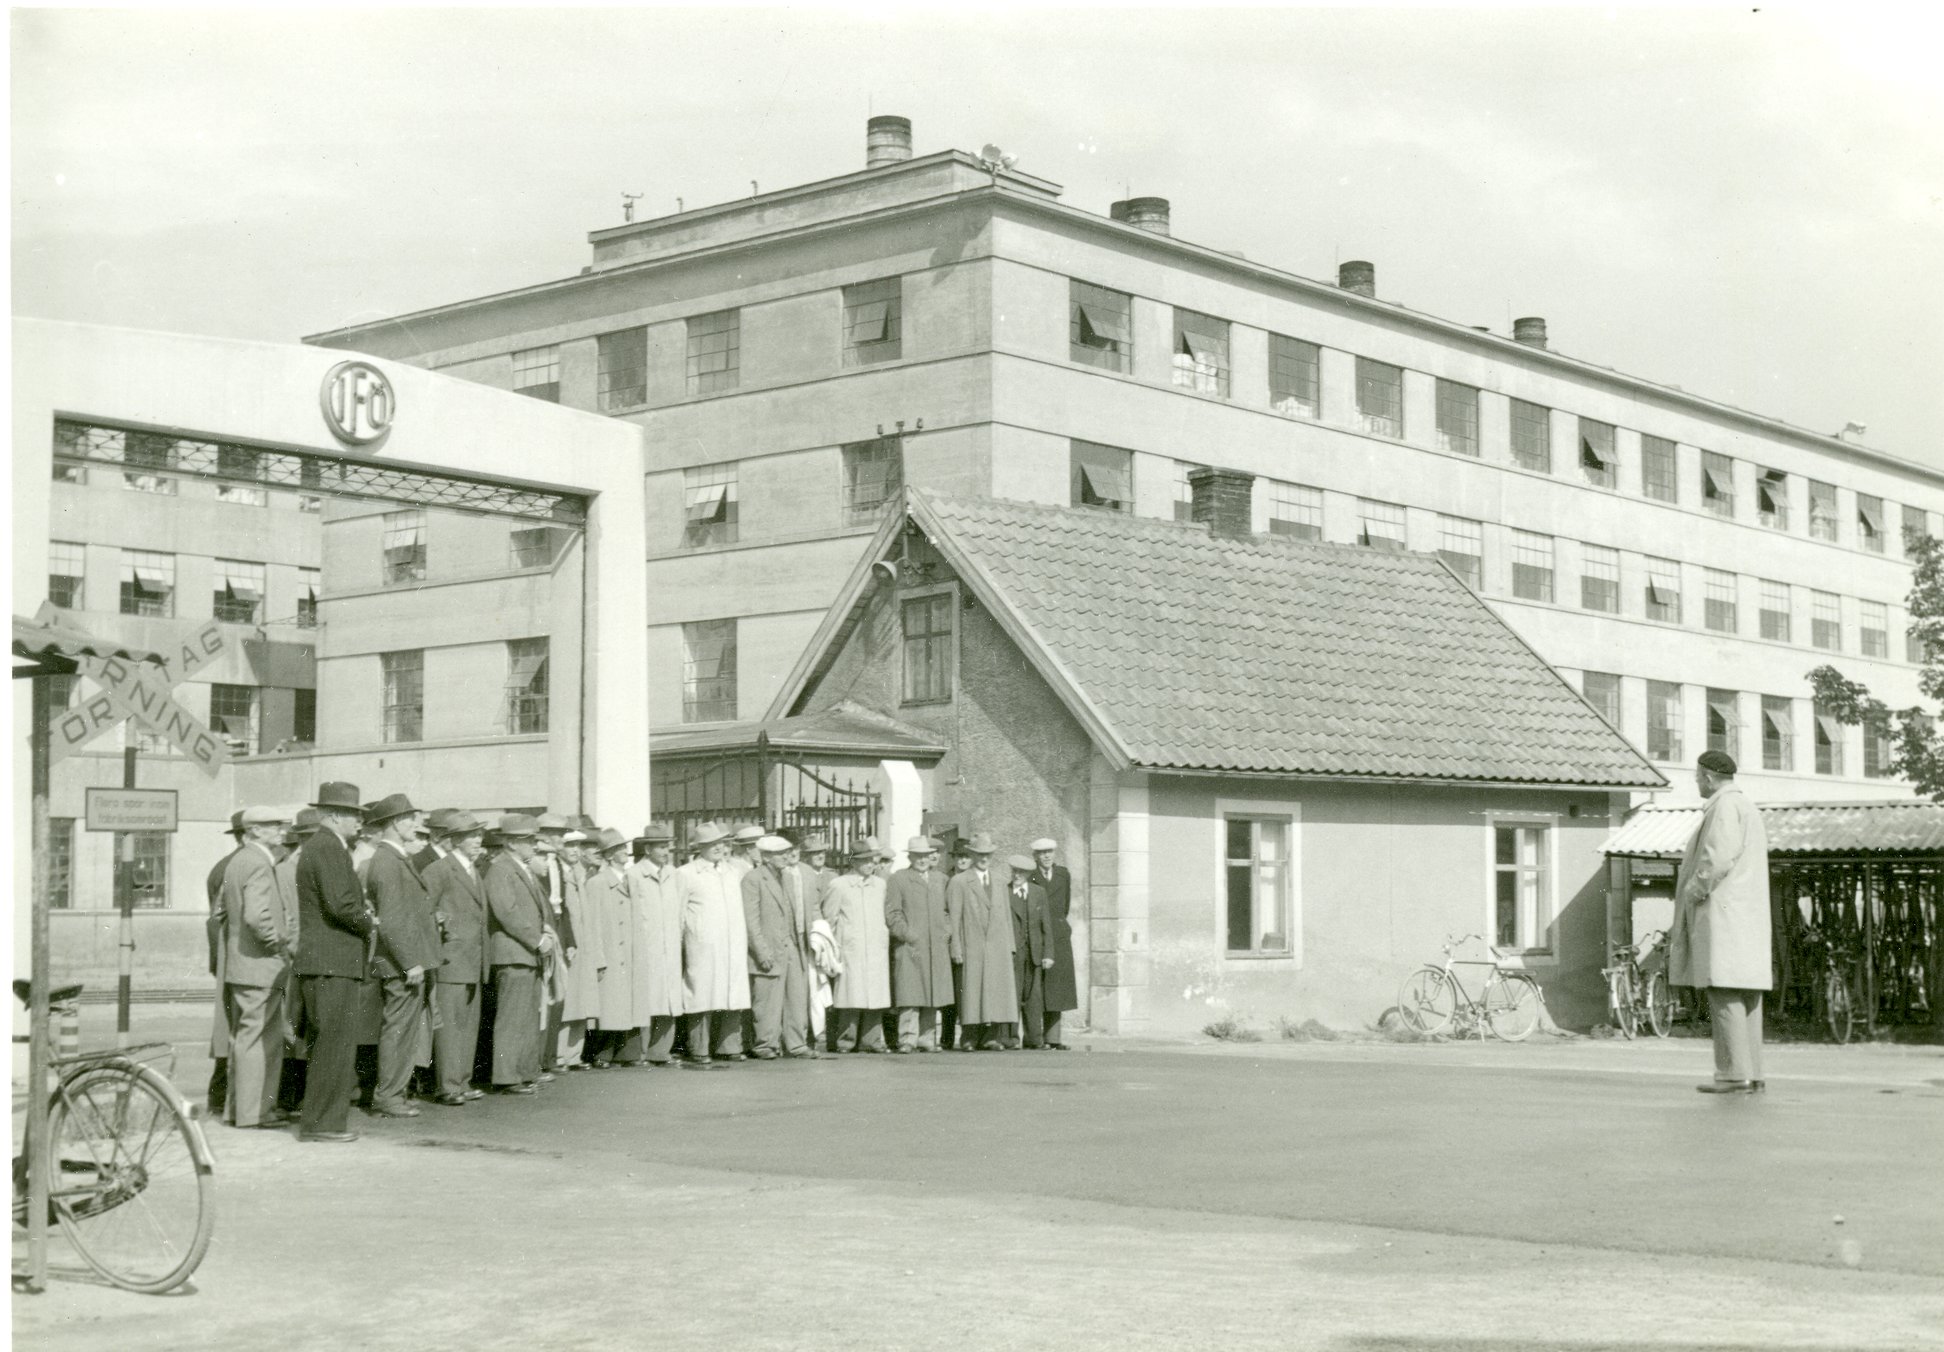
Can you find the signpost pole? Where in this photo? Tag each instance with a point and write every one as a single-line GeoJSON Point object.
{"type": "Point", "coordinates": [125, 903]}
{"type": "Point", "coordinates": [38, 1151]}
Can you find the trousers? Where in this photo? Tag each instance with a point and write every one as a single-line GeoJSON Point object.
{"type": "Point", "coordinates": [517, 1025]}
{"type": "Point", "coordinates": [1737, 1019]}
{"type": "Point", "coordinates": [331, 1012]}
{"type": "Point", "coordinates": [780, 1001]}
{"type": "Point", "coordinates": [917, 1027]}
{"type": "Point", "coordinates": [1042, 1024]}
{"type": "Point", "coordinates": [858, 1027]}
{"type": "Point", "coordinates": [398, 1040]}
{"type": "Point", "coordinates": [714, 1032]}
{"type": "Point", "coordinates": [256, 1030]}
{"type": "Point", "coordinates": [650, 1044]}
{"type": "Point", "coordinates": [456, 1039]}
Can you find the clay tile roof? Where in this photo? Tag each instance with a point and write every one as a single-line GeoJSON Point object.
{"type": "Point", "coordinates": [1280, 656]}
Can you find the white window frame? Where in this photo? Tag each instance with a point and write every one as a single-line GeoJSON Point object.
{"type": "Point", "coordinates": [1548, 956]}
{"type": "Point", "coordinates": [1375, 511]}
{"type": "Point", "coordinates": [1295, 505]}
{"type": "Point", "coordinates": [951, 590]}
{"type": "Point", "coordinates": [1268, 808]}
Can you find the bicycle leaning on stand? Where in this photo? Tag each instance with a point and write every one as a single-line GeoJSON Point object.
{"type": "Point", "coordinates": [1635, 995]}
{"type": "Point", "coordinates": [1434, 998]}
{"type": "Point", "coordinates": [132, 1181]}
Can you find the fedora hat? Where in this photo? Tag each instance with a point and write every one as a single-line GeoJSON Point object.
{"type": "Point", "coordinates": [750, 835]}
{"type": "Point", "coordinates": [610, 839]}
{"type": "Point", "coordinates": [656, 833]}
{"type": "Point", "coordinates": [708, 833]}
{"type": "Point", "coordinates": [552, 821]}
{"type": "Point", "coordinates": [306, 822]}
{"type": "Point", "coordinates": [866, 848]}
{"type": "Point", "coordinates": [980, 843]}
{"type": "Point", "coordinates": [814, 842]}
{"type": "Point", "coordinates": [390, 806]}
{"type": "Point", "coordinates": [921, 845]}
{"type": "Point", "coordinates": [518, 824]}
{"type": "Point", "coordinates": [459, 822]}
{"type": "Point", "coordinates": [236, 822]}
{"type": "Point", "coordinates": [337, 796]}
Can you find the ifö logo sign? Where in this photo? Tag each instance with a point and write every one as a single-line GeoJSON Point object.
{"type": "Point", "coordinates": [358, 402]}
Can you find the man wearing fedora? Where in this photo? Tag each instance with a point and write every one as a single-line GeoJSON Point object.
{"type": "Point", "coordinates": [334, 926]}
{"type": "Point", "coordinates": [657, 951]}
{"type": "Point", "coordinates": [715, 950]}
{"type": "Point", "coordinates": [779, 899]}
{"type": "Point", "coordinates": [854, 907]}
{"type": "Point", "coordinates": [219, 1025]}
{"type": "Point", "coordinates": [1059, 990]}
{"type": "Point", "coordinates": [921, 953]}
{"type": "Point", "coordinates": [407, 958]}
{"type": "Point", "coordinates": [521, 941]}
{"type": "Point", "coordinates": [579, 952]}
{"type": "Point", "coordinates": [982, 943]}
{"type": "Point", "coordinates": [611, 896]}
{"type": "Point", "coordinates": [458, 898]}
{"type": "Point", "coordinates": [260, 933]}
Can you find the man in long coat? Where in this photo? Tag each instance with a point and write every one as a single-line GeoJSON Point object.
{"type": "Point", "coordinates": [611, 895]}
{"type": "Point", "coordinates": [458, 897]}
{"type": "Point", "coordinates": [854, 907]}
{"type": "Point", "coordinates": [1720, 937]}
{"type": "Point", "coordinates": [715, 951]}
{"type": "Point", "coordinates": [657, 950]}
{"type": "Point", "coordinates": [334, 926]}
{"type": "Point", "coordinates": [260, 934]}
{"type": "Point", "coordinates": [407, 958]}
{"type": "Point", "coordinates": [921, 950]}
{"type": "Point", "coordinates": [779, 899]}
{"type": "Point", "coordinates": [1061, 990]}
{"type": "Point", "coordinates": [982, 943]}
{"type": "Point", "coordinates": [579, 954]}
{"type": "Point", "coordinates": [522, 942]}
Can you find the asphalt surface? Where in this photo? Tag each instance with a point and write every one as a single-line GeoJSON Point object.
{"type": "Point", "coordinates": [1348, 1197]}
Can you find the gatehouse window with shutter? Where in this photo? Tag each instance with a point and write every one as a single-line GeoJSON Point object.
{"type": "Point", "coordinates": [928, 640]}
{"type": "Point", "coordinates": [1778, 733]}
{"type": "Point", "coordinates": [621, 361]}
{"type": "Point", "coordinates": [1532, 566]}
{"type": "Point", "coordinates": [1719, 591]}
{"type": "Point", "coordinates": [404, 545]}
{"type": "Point", "coordinates": [241, 463]}
{"type": "Point", "coordinates": [1522, 885]}
{"type": "Point", "coordinates": [404, 675]}
{"type": "Point", "coordinates": [239, 591]}
{"type": "Point", "coordinates": [67, 575]}
{"type": "Point", "coordinates": [1664, 590]}
{"type": "Point", "coordinates": [526, 685]}
{"type": "Point", "coordinates": [1103, 476]}
{"type": "Point", "coordinates": [536, 373]}
{"type": "Point", "coordinates": [309, 582]}
{"type": "Point", "coordinates": [873, 322]}
{"type": "Point", "coordinates": [1664, 732]}
{"type": "Point", "coordinates": [714, 352]}
{"type": "Point", "coordinates": [1099, 327]}
{"type": "Point", "coordinates": [1296, 510]}
{"type": "Point", "coordinates": [147, 583]}
{"type": "Point", "coordinates": [1822, 511]}
{"type": "Point", "coordinates": [1718, 483]}
{"type": "Point", "coordinates": [1772, 498]}
{"type": "Point", "coordinates": [1657, 477]}
{"type": "Point", "coordinates": [1380, 524]}
{"type": "Point", "coordinates": [147, 455]}
{"type": "Point", "coordinates": [709, 507]}
{"type": "Point", "coordinates": [1598, 462]}
{"type": "Point", "coordinates": [873, 475]}
{"type": "Point", "coordinates": [1532, 436]}
{"type": "Point", "coordinates": [708, 671]}
{"type": "Point", "coordinates": [151, 867]}
{"type": "Point", "coordinates": [1258, 886]}
{"type": "Point", "coordinates": [1201, 353]}
{"type": "Point", "coordinates": [1600, 578]}
{"type": "Point", "coordinates": [1457, 418]}
{"type": "Point", "coordinates": [1295, 385]}
{"type": "Point", "coordinates": [1869, 522]}
{"type": "Point", "coordinates": [1380, 397]}
{"type": "Point", "coordinates": [233, 716]}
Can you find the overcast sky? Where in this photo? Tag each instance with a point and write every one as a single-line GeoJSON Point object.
{"type": "Point", "coordinates": [1745, 203]}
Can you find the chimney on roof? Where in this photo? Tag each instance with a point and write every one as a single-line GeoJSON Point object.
{"type": "Point", "coordinates": [1358, 276]}
{"type": "Point", "coordinates": [1143, 213]}
{"type": "Point", "coordinates": [1531, 331]}
{"type": "Point", "coordinates": [887, 140]}
{"type": "Point", "coordinates": [1224, 499]}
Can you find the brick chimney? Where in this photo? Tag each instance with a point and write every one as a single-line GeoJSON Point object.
{"type": "Point", "coordinates": [1358, 276]}
{"type": "Point", "coordinates": [1224, 498]}
{"type": "Point", "coordinates": [1531, 331]}
{"type": "Point", "coordinates": [887, 140]}
{"type": "Point", "coordinates": [1143, 213]}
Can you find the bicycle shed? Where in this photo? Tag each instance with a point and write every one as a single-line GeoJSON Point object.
{"type": "Point", "coordinates": [1867, 877]}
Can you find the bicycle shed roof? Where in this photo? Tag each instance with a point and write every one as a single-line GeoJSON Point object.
{"type": "Point", "coordinates": [1880, 829]}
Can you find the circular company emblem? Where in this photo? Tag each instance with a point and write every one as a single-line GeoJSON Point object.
{"type": "Point", "coordinates": [358, 402]}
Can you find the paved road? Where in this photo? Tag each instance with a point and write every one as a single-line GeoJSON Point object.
{"type": "Point", "coordinates": [1352, 1198]}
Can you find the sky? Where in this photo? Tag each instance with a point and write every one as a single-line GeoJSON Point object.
{"type": "Point", "coordinates": [1745, 202]}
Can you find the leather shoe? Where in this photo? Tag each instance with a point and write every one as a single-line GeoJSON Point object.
{"type": "Point", "coordinates": [451, 1100]}
{"type": "Point", "coordinates": [764, 1055]}
{"type": "Point", "coordinates": [403, 1110]}
{"type": "Point", "coordinates": [1729, 1087]}
{"type": "Point", "coordinates": [1058, 1047]}
{"type": "Point", "coordinates": [515, 1089]}
{"type": "Point", "coordinates": [326, 1137]}
{"type": "Point", "coordinates": [472, 1094]}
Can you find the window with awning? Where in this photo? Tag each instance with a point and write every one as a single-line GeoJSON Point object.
{"type": "Point", "coordinates": [1201, 352]}
{"type": "Point", "coordinates": [1778, 733]}
{"type": "Point", "coordinates": [1869, 522]}
{"type": "Point", "coordinates": [1103, 476]}
{"type": "Point", "coordinates": [1822, 510]}
{"type": "Point", "coordinates": [404, 546]}
{"type": "Point", "coordinates": [1717, 483]}
{"type": "Point", "coordinates": [526, 686]}
{"type": "Point", "coordinates": [1664, 590]}
{"type": "Point", "coordinates": [1598, 461]}
{"type": "Point", "coordinates": [308, 582]}
{"type": "Point", "coordinates": [873, 321]}
{"type": "Point", "coordinates": [709, 507]}
{"type": "Point", "coordinates": [147, 583]}
{"type": "Point", "coordinates": [239, 590]}
{"type": "Point", "coordinates": [1100, 329]}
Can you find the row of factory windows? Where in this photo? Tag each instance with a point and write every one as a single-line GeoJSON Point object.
{"type": "Point", "coordinates": [523, 709]}
{"type": "Point", "coordinates": [1755, 729]}
{"type": "Point", "coordinates": [147, 586]}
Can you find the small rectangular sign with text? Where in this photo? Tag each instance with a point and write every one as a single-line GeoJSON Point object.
{"type": "Point", "coordinates": [131, 809]}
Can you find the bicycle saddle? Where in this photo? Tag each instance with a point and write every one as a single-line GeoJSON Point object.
{"type": "Point", "coordinates": [60, 995]}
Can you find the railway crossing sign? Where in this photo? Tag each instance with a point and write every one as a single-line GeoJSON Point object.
{"type": "Point", "coordinates": [126, 690]}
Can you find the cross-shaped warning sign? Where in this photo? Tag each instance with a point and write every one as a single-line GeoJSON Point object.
{"type": "Point", "coordinates": [131, 690]}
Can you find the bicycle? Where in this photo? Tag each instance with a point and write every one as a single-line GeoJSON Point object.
{"type": "Point", "coordinates": [1634, 995]}
{"type": "Point", "coordinates": [1837, 992]}
{"type": "Point", "coordinates": [1433, 997]}
{"type": "Point", "coordinates": [132, 1185]}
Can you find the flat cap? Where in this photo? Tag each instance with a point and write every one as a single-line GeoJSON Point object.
{"type": "Point", "coordinates": [552, 821]}
{"type": "Point", "coordinates": [265, 816]}
{"type": "Point", "coordinates": [1044, 843]}
{"type": "Point", "coordinates": [1019, 863]}
{"type": "Point", "coordinates": [773, 844]}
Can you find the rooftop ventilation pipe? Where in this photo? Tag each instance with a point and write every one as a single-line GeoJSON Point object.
{"type": "Point", "coordinates": [1531, 331]}
{"type": "Point", "coordinates": [887, 140]}
{"type": "Point", "coordinates": [1358, 276]}
{"type": "Point", "coordinates": [1143, 213]}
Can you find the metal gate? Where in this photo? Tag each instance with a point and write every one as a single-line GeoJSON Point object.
{"type": "Point", "coordinates": [771, 788]}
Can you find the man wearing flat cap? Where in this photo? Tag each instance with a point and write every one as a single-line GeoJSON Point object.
{"type": "Point", "coordinates": [457, 893]}
{"type": "Point", "coordinates": [982, 942]}
{"type": "Point", "coordinates": [1060, 990]}
{"type": "Point", "coordinates": [1720, 937]}
{"type": "Point", "coordinates": [1032, 948]}
{"type": "Point", "coordinates": [407, 958]}
{"type": "Point", "coordinates": [854, 908]}
{"type": "Point", "coordinates": [779, 899]}
{"type": "Point", "coordinates": [260, 934]}
{"type": "Point", "coordinates": [334, 927]}
{"type": "Point", "coordinates": [921, 948]}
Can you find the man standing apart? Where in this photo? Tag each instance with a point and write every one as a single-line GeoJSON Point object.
{"type": "Point", "coordinates": [657, 948]}
{"type": "Point", "coordinates": [1720, 937]}
{"type": "Point", "coordinates": [520, 939]}
{"type": "Point", "coordinates": [334, 924]}
{"type": "Point", "coordinates": [982, 943]}
{"type": "Point", "coordinates": [260, 936]}
{"type": "Point", "coordinates": [776, 913]}
{"type": "Point", "coordinates": [1061, 991]}
{"type": "Point", "coordinates": [458, 897]}
{"type": "Point", "coordinates": [715, 951]}
{"type": "Point", "coordinates": [921, 950]}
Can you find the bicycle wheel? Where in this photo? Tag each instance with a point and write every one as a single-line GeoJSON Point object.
{"type": "Point", "coordinates": [1511, 1005]}
{"type": "Point", "coordinates": [1838, 1012]}
{"type": "Point", "coordinates": [1620, 1001]}
{"type": "Point", "coordinates": [132, 1188]}
{"type": "Point", "coordinates": [1427, 1002]}
{"type": "Point", "coordinates": [1660, 1005]}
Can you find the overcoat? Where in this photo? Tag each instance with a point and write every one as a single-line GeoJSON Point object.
{"type": "Point", "coordinates": [218, 957]}
{"type": "Point", "coordinates": [408, 936]}
{"type": "Point", "coordinates": [1032, 928]}
{"type": "Point", "coordinates": [609, 899]}
{"type": "Point", "coordinates": [777, 922]}
{"type": "Point", "coordinates": [1062, 990]}
{"type": "Point", "coordinates": [459, 894]}
{"type": "Point", "coordinates": [1720, 935]}
{"type": "Point", "coordinates": [516, 913]}
{"type": "Point", "coordinates": [920, 929]}
{"type": "Point", "coordinates": [854, 907]}
{"type": "Point", "coordinates": [260, 927]}
{"type": "Point", "coordinates": [657, 942]}
{"type": "Point", "coordinates": [579, 934]}
{"type": "Point", "coordinates": [715, 941]}
{"type": "Point", "coordinates": [982, 939]}
{"type": "Point", "coordinates": [333, 920]}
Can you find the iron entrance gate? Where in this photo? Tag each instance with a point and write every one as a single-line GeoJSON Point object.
{"type": "Point", "coordinates": [770, 788]}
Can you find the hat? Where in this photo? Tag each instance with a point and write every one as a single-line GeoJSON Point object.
{"type": "Point", "coordinates": [1019, 863]}
{"type": "Point", "coordinates": [961, 847]}
{"type": "Point", "coordinates": [708, 833]}
{"type": "Point", "coordinates": [552, 821]}
{"type": "Point", "coordinates": [747, 834]}
{"type": "Point", "coordinates": [610, 839]}
{"type": "Point", "coordinates": [1043, 843]}
{"type": "Point", "coordinates": [575, 835]}
{"type": "Point", "coordinates": [656, 833]}
{"type": "Point", "coordinates": [306, 822]}
{"type": "Point", "coordinates": [980, 843]}
{"type": "Point", "coordinates": [1720, 762]}
{"type": "Point", "coordinates": [392, 805]}
{"type": "Point", "coordinates": [773, 844]}
{"type": "Point", "coordinates": [264, 816]}
{"type": "Point", "coordinates": [921, 845]}
{"type": "Point", "coordinates": [814, 842]}
{"type": "Point", "coordinates": [462, 823]}
{"type": "Point", "coordinates": [583, 822]}
{"type": "Point", "coordinates": [338, 797]}
{"type": "Point", "coordinates": [866, 848]}
{"type": "Point", "coordinates": [439, 820]}
{"type": "Point", "coordinates": [236, 822]}
{"type": "Point", "coordinates": [518, 824]}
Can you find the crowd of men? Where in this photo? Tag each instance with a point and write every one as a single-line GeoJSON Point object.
{"type": "Point", "coordinates": [372, 952]}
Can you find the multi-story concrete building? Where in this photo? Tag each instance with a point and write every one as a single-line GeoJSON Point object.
{"type": "Point", "coordinates": [950, 323]}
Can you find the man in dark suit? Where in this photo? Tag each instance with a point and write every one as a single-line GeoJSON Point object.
{"type": "Point", "coordinates": [407, 959]}
{"type": "Point", "coordinates": [260, 933]}
{"type": "Point", "coordinates": [522, 943]}
{"type": "Point", "coordinates": [1031, 948]}
{"type": "Point", "coordinates": [458, 897]}
{"type": "Point", "coordinates": [1059, 990]}
{"type": "Point", "coordinates": [218, 1096]}
{"type": "Point", "coordinates": [334, 926]}
{"type": "Point", "coordinates": [779, 896]}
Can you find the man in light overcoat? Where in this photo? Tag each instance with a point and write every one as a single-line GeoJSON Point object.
{"type": "Point", "coordinates": [982, 944]}
{"type": "Point", "coordinates": [611, 895]}
{"type": "Point", "coordinates": [921, 950]}
{"type": "Point", "coordinates": [854, 907]}
{"type": "Point", "coordinates": [657, 974]}
{"type": "Point", "coordinates": [259, 938]}
{"type": "Point", "coordinates": [715, 951]}
{"type": "Point", "coordinates": [1720, 936]}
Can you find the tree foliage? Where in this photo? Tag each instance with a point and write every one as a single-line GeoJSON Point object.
{"type": "Point", "coordinates": [1917, 751]}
